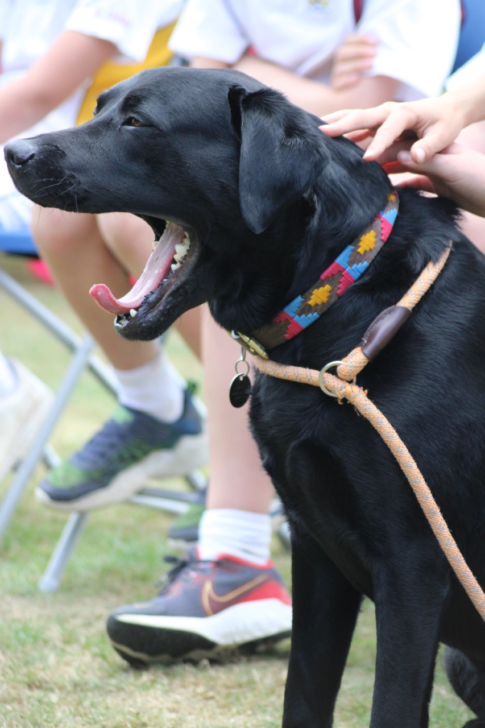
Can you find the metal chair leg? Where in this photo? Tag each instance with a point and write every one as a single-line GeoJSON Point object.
{"type": "Point", "coordinates": [83, 359]}
{"type": "Point", "coordinates": [28, 465]}
{"type": "Point", "coordinates": [66, 544]}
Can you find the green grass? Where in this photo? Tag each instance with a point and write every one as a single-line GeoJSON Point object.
{"type": "Point", "coordinates": [57, 668]}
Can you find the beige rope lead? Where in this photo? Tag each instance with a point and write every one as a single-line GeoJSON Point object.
{"type": "Point", "coordinates": [357, 396]}
{"type": "Point", "coordinates": [354, 362]}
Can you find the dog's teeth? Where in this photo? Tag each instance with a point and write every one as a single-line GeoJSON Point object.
{"type": "Point", "coordinates": [133, 312]}
{"type": "Point", "coordinates": [174, 266]}
{"type": "Point", "coordinates": [180, 253]}
{"type": "Point", "coordinates": [154, 244]}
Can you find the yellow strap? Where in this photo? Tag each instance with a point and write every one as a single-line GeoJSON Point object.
{"type": "Point", "coordinates": [111, 73]}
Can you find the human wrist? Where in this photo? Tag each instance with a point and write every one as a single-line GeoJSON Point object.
{"type": "Point", "coordinates": [468, 103]}
{"type": "Point", "coordinates": [458, 107]}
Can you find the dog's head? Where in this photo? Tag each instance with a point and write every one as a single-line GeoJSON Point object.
{"type": "Point", "coordinates": [223, 168]}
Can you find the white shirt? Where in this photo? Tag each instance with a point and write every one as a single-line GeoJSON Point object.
{"type": "Point", "coordinates": [28, 28]}
{"type": "Point", "coordinates": [417, 39]}
{"type": "Point", "coordinates": [468, 72]}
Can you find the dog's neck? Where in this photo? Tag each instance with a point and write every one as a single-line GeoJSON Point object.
{"type": "Point", "coordinates": [286, 259]}
{"type": "Point", "coordinates": [307, 307]}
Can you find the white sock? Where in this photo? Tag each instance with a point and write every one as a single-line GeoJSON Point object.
{"type": "Point", "coordinates": [238, 533]}
{"type": "Point", "coordinates": [8, 378]}
{"type": "Point", "coordinates": [154, 388]}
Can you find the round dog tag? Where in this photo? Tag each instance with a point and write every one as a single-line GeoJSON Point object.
{"type": "Point", "coordinates": [240, 387]}
{"type": "Point", "coordinates": [240, 390]}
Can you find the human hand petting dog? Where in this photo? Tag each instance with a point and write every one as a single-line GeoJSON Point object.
{"type": "Point", "coordinates": [434, 123]}
{"type": "Point", "coordinates": [456, 172]}
{"type": "Point", "coordinates": [419, 137]}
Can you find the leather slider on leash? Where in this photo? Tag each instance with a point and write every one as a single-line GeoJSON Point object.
{"type": "Point", "coordinates": [383, 329]}
{"type": "Point", "coordinates": [378, 335]}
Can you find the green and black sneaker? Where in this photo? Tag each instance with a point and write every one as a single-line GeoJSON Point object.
{"type": "Point", "coordinates": [130, 448]}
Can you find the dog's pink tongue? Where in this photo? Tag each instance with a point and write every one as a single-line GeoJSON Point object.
{"type": "Point", "coordinates": [156, 269]}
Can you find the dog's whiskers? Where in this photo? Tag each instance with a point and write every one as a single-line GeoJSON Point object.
{"type": "Point", "coordinates": [68, 189]}
{"type": "Point", "coordinates": [42, 190]}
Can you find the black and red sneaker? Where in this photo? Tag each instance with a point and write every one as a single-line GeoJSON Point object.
{"type": "Point", "coordinates": [205, 608]}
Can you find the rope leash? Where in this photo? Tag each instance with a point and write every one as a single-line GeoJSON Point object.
{"type": "Point", "coordinates": [354, 362]}
{"type": "Point", "coordinates": [338, 386]}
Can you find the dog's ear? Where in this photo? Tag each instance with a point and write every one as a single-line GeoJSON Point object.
{"type": "Point", "coordinates": [282, 153]}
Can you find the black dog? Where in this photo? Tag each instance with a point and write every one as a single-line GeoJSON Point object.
{"type": "Point", "coordinates": [269, 202]}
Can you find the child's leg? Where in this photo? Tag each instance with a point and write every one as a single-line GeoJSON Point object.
{"type": "Point", "coordinates": [76, 252]}
{"type": "Point", "coordinates": [158, 431]}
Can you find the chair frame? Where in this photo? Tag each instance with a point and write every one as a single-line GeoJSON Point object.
{"type": "Point", "coordinates": [82, 359]}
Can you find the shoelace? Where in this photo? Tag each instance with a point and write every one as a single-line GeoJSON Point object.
{"type": "Point", "coordinates": [102, 443]}
{"type": "Point", "coordinates": [180, 564]}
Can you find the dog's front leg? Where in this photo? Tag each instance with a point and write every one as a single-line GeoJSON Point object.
{"type": "Point", "coordinates": [409, 604]}
{"type": "Point", "coordinates": [325, 610]}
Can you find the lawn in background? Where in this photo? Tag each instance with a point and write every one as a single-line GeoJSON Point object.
{"type": "Point", "coordinates": [57, 668]}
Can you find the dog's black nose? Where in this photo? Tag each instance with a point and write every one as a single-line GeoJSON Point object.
{"type": "Point", "coordinates": [19, 152]}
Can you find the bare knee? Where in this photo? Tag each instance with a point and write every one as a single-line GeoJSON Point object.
{"type": "Point", "coordinates": [56, 231]}
{"type": "Point", "coordinates": [128, 237]}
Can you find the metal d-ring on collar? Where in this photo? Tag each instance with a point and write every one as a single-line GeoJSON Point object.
{"type": "Point", "coordinates": [242, 360]}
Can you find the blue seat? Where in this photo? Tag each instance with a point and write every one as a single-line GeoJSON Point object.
{"type": "Point", "coordinates": [472, 35]}
{"type": "Point", "coordinates": [18, 243]}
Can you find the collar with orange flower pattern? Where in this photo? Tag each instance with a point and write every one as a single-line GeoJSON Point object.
{"type": "Point", "coordinates": [332, 284]}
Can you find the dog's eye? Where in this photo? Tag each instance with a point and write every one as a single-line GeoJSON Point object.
{"type": "Point", "coordinates": [133, 121]}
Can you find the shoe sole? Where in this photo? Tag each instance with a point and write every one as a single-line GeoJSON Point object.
{"type": "Point", "coordinates": [181, 545]}
{"type": "Point", "coordinates": [141, 661]}
{"type": "Point", "coordinates": [189, 454]}
{"type": "Point", "coordinates": [160, 638]}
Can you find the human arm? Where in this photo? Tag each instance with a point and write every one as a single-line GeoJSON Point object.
{"type": "Point", "coordinates": [222, 29]}
{"type": "Point", "coordinates": [310, 95]}
{"type": "Point", "coordinates": [72, 59]}
{"type": "Point", "coordinates": [436, 122]}
{"type": "Point", "coordinates": [200, 62]}
{"type": "Point", "coordinates": [351, 57]}
{"type": "Point", "coordinates": [307, 93]}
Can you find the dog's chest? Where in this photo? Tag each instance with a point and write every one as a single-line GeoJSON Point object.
{"type": "Point", "coordinates": [295, 431]}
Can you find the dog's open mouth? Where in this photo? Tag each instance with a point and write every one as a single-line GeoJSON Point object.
{"type": "Point", "coordinates": [164, 268]}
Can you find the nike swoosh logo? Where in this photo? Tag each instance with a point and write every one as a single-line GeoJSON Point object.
{"type": "Point", "coordinates": [214, 603]}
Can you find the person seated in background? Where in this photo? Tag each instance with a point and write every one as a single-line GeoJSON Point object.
{"type": "Point", "coordinates": [57, 57]}
{"type": "Point", "coordinates": [323, 57]}
{"type": "Point", "coordinates": [24, 403]}
{"type": "Point", "coordinates": [454, 125]}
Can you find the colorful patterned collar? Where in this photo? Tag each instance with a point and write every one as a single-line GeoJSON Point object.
{"type": "Point", "coordinates": [332, 284]}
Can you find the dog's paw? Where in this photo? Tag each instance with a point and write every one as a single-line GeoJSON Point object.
{"type": "Point", "coordinates": [475, 723]}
